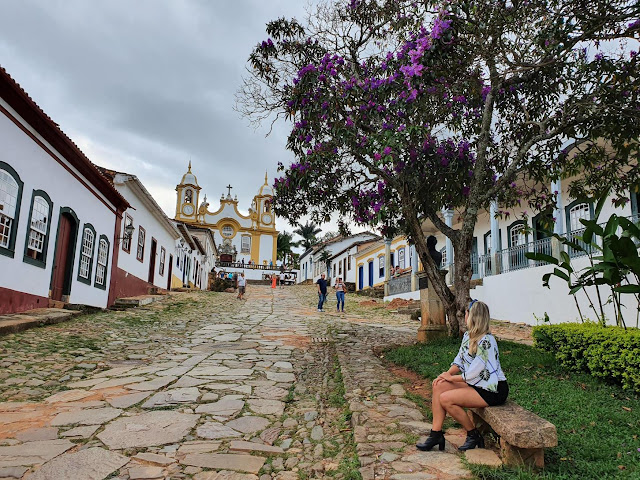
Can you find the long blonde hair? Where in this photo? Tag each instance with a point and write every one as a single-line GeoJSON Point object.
{"type": "Point", "coordinates": [479, 325]}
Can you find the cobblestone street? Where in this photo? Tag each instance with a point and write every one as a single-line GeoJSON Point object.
{"type": "Point", "coordinates": [203, 386]}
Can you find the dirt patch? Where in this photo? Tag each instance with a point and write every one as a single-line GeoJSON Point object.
{"type": "Point", "coordinates": [416, 384]}
{"type": "Point", "coordinates": [398, 303]}
{"type": "Point", "coordinates": [369, 303]}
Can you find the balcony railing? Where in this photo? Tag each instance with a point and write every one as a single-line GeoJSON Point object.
{"type": "Point", "coordinates": [252, 266]}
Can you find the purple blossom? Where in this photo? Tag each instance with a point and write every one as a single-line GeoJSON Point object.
{"type": "Point", "coordinates": [377, 156]}
{"type": "Point", "coordinates": [439, 27]}
{"type": "Point", "coordinates": [386, 151]}
{"type": "Point", "coordinates": [634, 24]}
{"type": "Point", "coordinates": [349, 122]}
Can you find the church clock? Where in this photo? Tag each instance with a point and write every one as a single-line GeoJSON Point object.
{"type": "Point", "coordinates": [266, 218]}
{"type": "Point", "coordinates": [188, 209]}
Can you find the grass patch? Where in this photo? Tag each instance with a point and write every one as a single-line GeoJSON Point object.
{"type": "Point", "coordinates": [598, 424]}
{"type": "Point", "coordinates": [336, 398]}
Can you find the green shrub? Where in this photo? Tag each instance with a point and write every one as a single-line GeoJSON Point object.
{"type": "Point", "coordinates": [610, 353]}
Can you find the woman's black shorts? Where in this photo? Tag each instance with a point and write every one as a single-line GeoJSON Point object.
{"type": "Point", "coordinates": [494, 398]}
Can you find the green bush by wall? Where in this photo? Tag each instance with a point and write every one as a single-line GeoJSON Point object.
{"type": "Point", "coordinates": [610, 353]}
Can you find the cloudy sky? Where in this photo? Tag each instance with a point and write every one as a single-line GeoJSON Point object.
{"type": "Point", "coordinates": [144, 86]}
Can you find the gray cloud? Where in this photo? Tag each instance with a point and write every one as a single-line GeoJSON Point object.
{"type": "Point", "coordinates": [144, 86]}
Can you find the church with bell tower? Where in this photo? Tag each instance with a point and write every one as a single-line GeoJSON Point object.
{"type": "Point", "coordinates": [252, 238]}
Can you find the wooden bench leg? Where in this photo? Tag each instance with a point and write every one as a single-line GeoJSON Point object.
{"type": "Point", "coordinates": [532, 457]}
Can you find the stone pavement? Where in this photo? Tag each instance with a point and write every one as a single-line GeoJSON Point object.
{"type": "Point", "coordinates": [203, 386]}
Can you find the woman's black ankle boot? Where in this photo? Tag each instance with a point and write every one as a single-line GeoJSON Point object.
{"type": "Point", "coordinates": [434, 438]}
{"type": "Point", "coordinates": [474, 439]}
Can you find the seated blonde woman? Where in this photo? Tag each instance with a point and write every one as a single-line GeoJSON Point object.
{"type": "Point", "coordinates": [474, 380]}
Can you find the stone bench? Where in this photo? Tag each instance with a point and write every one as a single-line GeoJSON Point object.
{"type": "Point", "coordinates": [523, 434]}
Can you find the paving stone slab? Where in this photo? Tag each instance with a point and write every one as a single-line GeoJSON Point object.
{"type": "Point", "coordinates": [198, 447]}
{"type": "Point", "coordinates": [32, 453]}
{"type": "Point", "coordinates": [207, 371]}
{"type": "Point", "coordinates": [162, 460]}
{"type": "Point", "coordinates": [215, 430]}
{"type": "Point", "coordinates": [266, 407]}
{"type": "Point", "coordinates": [270, 435]}
{"type": "Point", "coordinates": [145, 472]}
{"type": "Point", "coordinates": [82, 432]}
{"type": "Point", "coordinates": [148, 429]}
{"type": "Point", "coordinates": [249, 447]}
{"type": "Point", "coordinates": [91, 416]}
{"type": "Point", "coordinates": [154, 384]}
{"type": "Point", "coordinates": [90, 464]}
{"type": "Point", "coordinates": [281, 377]}
{"type": "Point", "coordinates": [238, 463]}
{"type": "Point", "coordinates": [35, 434]}
{"type": "Point", "coordinates": [173, 397]}
{"type": "Point", "coordinates": [126, 401]}
{"type": "Point", "coordinates": [249, 424]}
{"type": "Point", "coordinates": [270, 392]}
{"type": "Point", "coordinates": [223, 407]}
{"type": "Point", "coordinates": [224, 475]}
{"type": "Point", "coordinates": [117, 382]}
{"type": "Point", "coordinates": [68, 396]}
{"type": "Point", "coordinates": [12, 472]}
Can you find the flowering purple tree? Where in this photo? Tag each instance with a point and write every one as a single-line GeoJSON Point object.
{"type": "Point", "coordinates": [401, 109]}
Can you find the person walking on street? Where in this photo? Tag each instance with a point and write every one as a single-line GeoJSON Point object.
{"type": "Point", "coordinates": [274, 279]}
{"type": "Point", "coordinates": [242, 285]}
{"type": "Point", "coordinates": [341, 290]}
{"type": "Point", "coordinates": [322, 291]}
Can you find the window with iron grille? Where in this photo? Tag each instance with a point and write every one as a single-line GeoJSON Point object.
{"type": "Point", "coordinates": [103, 258]}
{"type": "Point", "coordinates": [381, 266]}
{"type": "Point", "coordinates": [444, 263]}
{"type": "Point", "coordinates": [401, 261]}
{"type": "Point", "coordinates": [86, 253]}
{"type": "Point", "coordinates": [141, 238]}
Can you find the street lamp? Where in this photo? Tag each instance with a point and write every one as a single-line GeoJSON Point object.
{"type": "Point", "coordinates": [128, 233]}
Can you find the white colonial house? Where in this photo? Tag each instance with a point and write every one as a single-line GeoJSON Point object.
{"type": "Point", "coordinates": [385, 260]}
{"type": "Point", "coordinates": [206, 241]}
{"type": "Point", "coordinates": [149, 244]}
{"type": "Point", "coordinates": [59, 216]}
{"type": "Point", "coordinates": [312, 264]}
{"type": "Point", "coordinates": [512, 284]}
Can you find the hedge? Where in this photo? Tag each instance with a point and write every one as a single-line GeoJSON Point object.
{"type": "Point", "coordinates": [610, 353]}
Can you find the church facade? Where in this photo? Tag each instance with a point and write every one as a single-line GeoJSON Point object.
{"type": "Point", "coordinates": [246, 239]}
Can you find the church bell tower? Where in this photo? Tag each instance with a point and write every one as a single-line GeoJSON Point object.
{"type": "Point", "coordinates": [188, 195]}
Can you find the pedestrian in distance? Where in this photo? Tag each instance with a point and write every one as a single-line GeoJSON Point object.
{"type": "Point", "coordinates": [273, 280]}
{"type": "Point", "coordinates": [475, 380]}
{"type": "Point", "coordinates": [242, 285]}
{"type": "Point", "coordinates": [322, 291]}
{"type": "Point", "coordinates": [341, 291]}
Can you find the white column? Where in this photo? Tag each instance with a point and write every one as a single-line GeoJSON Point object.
{"type": "Point", "coordinates": [558, 214]}
{"type": "Point", "coordinates": [387, 264]}
{"type": "Point", "coordinates": [448, 219]}
{"type": "Point", "coordinates": [495, 237]}
{"type": "Point", "coordinates": [414, 268]}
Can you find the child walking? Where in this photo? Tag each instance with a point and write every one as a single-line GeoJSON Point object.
{"type": "Point", "coordinates": [475, 379]}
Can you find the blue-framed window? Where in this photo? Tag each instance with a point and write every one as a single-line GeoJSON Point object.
{"type": "Point", "coordinates": [37, 241]}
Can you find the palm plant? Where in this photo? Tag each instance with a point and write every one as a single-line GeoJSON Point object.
{"type": "Point", "coordinates": [308, 232]}
{"type": "Point", "coordinates": [285, 245]}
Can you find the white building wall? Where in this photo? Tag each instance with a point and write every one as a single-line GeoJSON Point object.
{"type": "Point", "coordinates": [39, 171]}
{"type": "Point", "coordinates": [154, 228]}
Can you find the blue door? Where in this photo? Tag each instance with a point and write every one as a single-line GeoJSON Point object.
{"type": "Point", "coordinates": [360, 277]}
{"type": "Point", "coordinates": [371, 274]}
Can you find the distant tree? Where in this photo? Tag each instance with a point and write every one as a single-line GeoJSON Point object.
{"type": "Point", "coordinates": [328, 236]}
{"type": "Point", "coordinates": [325, 257]}
{"type": "Point", "coordinates": [308, 232]}
{"type": "Point", "coordinates": [404, 108]}
{"type": "Point", "coordinates": [285, 245]}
